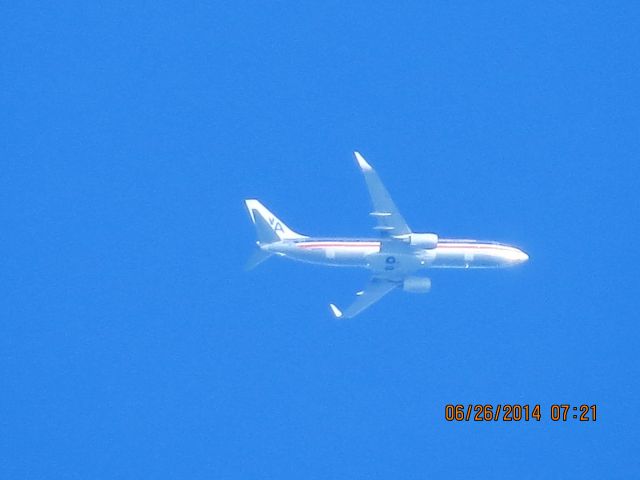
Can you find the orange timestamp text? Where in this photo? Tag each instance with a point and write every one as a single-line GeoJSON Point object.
{"type": "Point", "coordinates": [560, 412]}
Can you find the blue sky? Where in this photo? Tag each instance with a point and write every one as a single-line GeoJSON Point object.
{"type": "Point", "coordinates": [133, 344]}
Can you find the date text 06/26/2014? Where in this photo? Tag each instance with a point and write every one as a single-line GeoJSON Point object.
{"type": "Point", "coordinates": [558, 412]}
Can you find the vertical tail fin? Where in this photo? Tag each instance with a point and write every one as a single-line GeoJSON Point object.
{"type": "Point", "coordinates": [269, 228]}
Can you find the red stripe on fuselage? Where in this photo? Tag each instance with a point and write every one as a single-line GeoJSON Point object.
{"type": "Point", "coordinates": [474, 245]}
{"type": "Point", "coordinates": [377, 244]}
{"type": "Point", "coordinates": [337, 244]}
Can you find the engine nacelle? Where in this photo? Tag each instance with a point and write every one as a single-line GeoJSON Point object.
{"type": "Point", "coordinates": [416, 284]}
{"type": "Point", "coordinates": [422, 240]}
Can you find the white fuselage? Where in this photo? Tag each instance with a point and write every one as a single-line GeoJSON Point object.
{"type": "Point", "coordinates": [356, 252]}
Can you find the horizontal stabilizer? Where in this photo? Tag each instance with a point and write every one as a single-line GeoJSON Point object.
{"type": "Point", "coordinates": [256, 259]}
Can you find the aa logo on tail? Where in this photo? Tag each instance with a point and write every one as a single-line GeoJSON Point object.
{"type": "Point", "coordinates": [276, 225]}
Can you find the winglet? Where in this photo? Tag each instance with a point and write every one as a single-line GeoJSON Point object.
{"type": "Point", "coordinates": [336, 311]}
{"type": "Point", "coordinates": [362, 162]}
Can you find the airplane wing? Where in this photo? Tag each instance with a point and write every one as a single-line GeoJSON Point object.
{"type": "Point", "coordinates": [390, 221]}
{"type": "Point", "coordinates": [374, 291]}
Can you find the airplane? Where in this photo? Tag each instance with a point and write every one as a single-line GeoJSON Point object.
{"type": "Point", "coordinates": [394, 258]}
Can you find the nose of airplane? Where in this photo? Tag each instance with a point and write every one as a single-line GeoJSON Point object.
{"type": "Point", "coordinates": [521, 256]}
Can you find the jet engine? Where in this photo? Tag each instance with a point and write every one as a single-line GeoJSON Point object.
{"type": "Point", "coordinates": [422, 240]}
{"type": "Point", "coordinates": [416, 284]}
